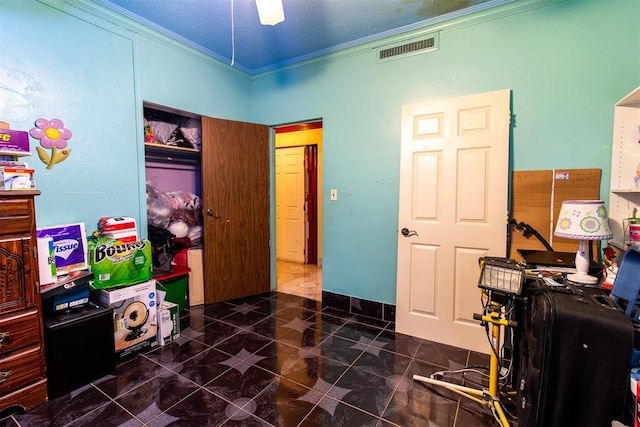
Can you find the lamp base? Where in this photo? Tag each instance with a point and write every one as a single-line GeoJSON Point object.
{"type": "Point", "coordinates": [582, 278]}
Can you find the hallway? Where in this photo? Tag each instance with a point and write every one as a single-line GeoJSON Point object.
{"type": "Point", "coordinates": [304, 280]}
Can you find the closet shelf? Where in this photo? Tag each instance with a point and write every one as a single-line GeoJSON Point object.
{"type": "Point", "coordinates": [163, 153]}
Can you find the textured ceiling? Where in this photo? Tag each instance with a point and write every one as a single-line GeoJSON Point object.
{"type": "Point", "coordinates": [311, 27]}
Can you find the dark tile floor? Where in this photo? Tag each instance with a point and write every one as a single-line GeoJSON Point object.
{"type": "Point", "coordinates": [273, 360]}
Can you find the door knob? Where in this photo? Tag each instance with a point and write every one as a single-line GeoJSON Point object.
{"type": "Point", "coordinates": [210, 213]}
{"type": "Point", "coordinates": [408, 233]}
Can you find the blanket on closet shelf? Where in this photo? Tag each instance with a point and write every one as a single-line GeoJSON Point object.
{"type": "Point", "coordinates": [180, 212]}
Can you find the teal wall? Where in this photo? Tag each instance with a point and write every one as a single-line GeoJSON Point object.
{"type": "Point", "coordinates": [566, 63]}
{"type": "Point", "coordinates": [75, 63]}
{"type": "Point", "coordinates": [55, 65]}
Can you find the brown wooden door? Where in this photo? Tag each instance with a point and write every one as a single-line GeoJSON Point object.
{"type": "Point", "coordinates": [235, 197]}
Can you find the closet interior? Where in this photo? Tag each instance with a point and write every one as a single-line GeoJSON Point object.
{"type": "Point", "coordinates": [172, 141]}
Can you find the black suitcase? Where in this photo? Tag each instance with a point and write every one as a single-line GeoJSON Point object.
{"type": "Point", "coordinates": [574, 358]}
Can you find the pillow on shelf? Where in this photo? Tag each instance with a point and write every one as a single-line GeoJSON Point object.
{"type": "Point", "coordinates": [192, 132]}
{"type": "Point", "coordinates": [177, 139]}
{"type": "Point", "coordinates": [162, 130]}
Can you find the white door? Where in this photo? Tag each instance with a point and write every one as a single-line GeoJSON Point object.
{"type": "Point", "coordinates": [290, 191]}
{"type": "Point", "coordinates": [453, 200]}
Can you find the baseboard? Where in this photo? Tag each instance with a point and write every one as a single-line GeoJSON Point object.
{"type": "Point", "coordinates": [354, 305]}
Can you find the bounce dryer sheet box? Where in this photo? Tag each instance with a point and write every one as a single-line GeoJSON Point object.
{"type": "Point", "coordinates": [70, 246]}
{"type": "Point", "coordinates": [115, 263]}
{"type": "Point", "coordinates": [135, 313]}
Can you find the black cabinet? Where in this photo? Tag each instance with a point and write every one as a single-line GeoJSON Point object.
{"type": "Point", "coordinates": [79, 347]}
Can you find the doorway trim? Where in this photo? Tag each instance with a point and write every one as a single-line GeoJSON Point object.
{"type": "Point", "coordinates": [307, 133]}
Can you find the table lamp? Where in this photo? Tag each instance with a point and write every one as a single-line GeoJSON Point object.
{"type": "Point", "coordinates": [583, 220]}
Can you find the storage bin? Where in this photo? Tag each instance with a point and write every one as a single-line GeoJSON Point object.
{"type": "Point", "coordinates": [626, 287]}
{"type": "Point", "coordinates": [175, 285]}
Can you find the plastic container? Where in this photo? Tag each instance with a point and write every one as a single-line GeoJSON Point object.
{"type": "Point", "coordinates": [175, 285]}
{"type": "Point", "coordinates": [626, 287]}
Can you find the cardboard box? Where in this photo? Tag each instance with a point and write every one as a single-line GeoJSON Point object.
{"type": "Point", "coordinates": [536, 198]}
{"type": "Point", "coordinates": [70, 246]}
{"type": "Point", "coordinates": [14, 142]}
{"type": "Point", "coordinates": [17, 179]}
{"type": "Point", "coordinates": [168, 323]}
{"type": "Point", "coordinates": [115, 263]}
{"type": "Point", "coordinates": [134, 317]}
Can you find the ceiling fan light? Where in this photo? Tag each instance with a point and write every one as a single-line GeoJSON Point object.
{"type": "Point", "coordinates": [271, 12]}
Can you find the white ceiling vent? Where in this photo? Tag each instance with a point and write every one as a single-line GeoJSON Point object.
{"type": "Point", "coordinates": [406, 48]}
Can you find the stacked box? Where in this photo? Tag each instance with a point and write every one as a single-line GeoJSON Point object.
{"type": "Point", "coordinates": [70, 246]}
{"type": "Point", "coordinates": [119, 228]}
{"type": "Point", "coordinates": [134, 317]}
{"type": "Point", "coordinates": [115, 263]}
{"type": "Point", "coordinates": [168, 323]}
{"type": "Point", "coordinates": [16, 178]}
{"type": "Point", "coordinates": [175, 285]}
{"type": "Point", "coordinates": [14, 142]}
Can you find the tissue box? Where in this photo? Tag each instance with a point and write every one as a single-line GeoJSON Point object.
{"type": "Point", "coordinates": [134, 317]}
{"type": "Point", "coordinates": [168, 323]}
{"type": "Point", "coordinates": [14, 143]}
{"type": "Point", "coordinates": [115, 263]}
{"type": "Point", "coordinates": [17, 179]}
{"type": "Point", "coordinates": [70, 246]}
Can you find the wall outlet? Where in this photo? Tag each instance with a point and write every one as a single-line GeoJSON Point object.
{"type": "Point", "coordinates": [334, 194]}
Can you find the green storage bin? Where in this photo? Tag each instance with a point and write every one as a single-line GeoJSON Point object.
{"type": "Point", "coordinates": [175, 285]}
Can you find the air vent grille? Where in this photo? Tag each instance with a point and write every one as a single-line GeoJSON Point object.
{"type": "Point", "coordinates": [425, 44]}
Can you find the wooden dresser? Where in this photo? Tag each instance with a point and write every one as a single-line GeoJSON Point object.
{"type": "Point", "coordinates": [22, 363]}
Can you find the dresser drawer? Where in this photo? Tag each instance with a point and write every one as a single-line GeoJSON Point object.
{"type": "Point", "coordinates": [18, 330]}
{"type": "Point", "coordinates": [15, 216]}
{"type": "Point", "coordinates": [20, 368]}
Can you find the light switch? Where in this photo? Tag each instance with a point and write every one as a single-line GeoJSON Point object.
{"type": "Point", "coordinates": [334, 194]}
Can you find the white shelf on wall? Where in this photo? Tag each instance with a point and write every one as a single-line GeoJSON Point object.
{"type": "Point", "coordinates": [624, 197]}
{"type": "Point", "coordinates": [624, 191]}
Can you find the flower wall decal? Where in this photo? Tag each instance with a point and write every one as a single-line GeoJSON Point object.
{"type": "Point", "coordinates": [52, 135]}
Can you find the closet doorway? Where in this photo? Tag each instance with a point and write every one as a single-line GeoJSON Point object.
{"type": "Point", "coordinates": [298, 170]}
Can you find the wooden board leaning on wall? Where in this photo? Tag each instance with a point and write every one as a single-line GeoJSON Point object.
{"type": "Point", "coordinates": [536, 199]}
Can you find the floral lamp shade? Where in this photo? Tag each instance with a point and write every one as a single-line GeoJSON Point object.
{"type": "Point", "coordinates": [583, 220]}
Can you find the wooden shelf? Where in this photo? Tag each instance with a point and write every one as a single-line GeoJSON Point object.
{"type": "Point", "coordinates": [170, 148]}
{"type": "Point", "coordinates": [24, 192]}
{"type": "Point", "coordinates": [15, 153]}
{"type": "Point", "coordinates": [165, 153]}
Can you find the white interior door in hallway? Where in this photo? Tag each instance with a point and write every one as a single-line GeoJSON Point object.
{"type": "Point", "coordinates": [454, 175]}
{"type": "Point", "coordinates": [290, 204]}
